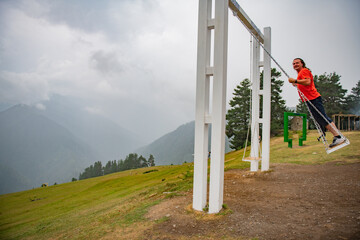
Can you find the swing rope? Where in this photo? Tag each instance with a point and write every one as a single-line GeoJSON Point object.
{"type": "Point", "coordinates": [250, 119]}
{"type": "Point", "coordinates": [250, 110]}
{"type": "Point", "coordinates": [306, 100]}
{"type": "Point", "coordinates": [248, 130]}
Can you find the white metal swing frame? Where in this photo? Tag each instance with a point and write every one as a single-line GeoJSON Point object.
{"type": "Point", "coordinates": [215, 71]}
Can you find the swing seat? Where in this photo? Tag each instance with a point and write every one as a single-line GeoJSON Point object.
{"type": "Point", "coordinates": [341, 145]}
{"type": "Point", "coordinates": [249, 159]}
{"type": "Point", "coordinates": [254, 166]}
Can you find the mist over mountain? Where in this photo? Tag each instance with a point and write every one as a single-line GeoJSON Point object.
{"type": "Point", "coordinates": [36, 150]}
{"type": "Point", "coordinates": [54, 141]}
{"type": "Point", "coordinates": [12, 181]}
{"type": "Point", "coordinates": [175, 147]}
{"type": "Point", "coordinates": [110, 140]}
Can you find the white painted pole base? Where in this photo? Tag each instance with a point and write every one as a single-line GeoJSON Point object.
{"type": "Point", "coordinates": [216, 117]}
{"type": "Point", "coordinates": [254, 163]}
{"type": "Point", "coordinates": [254, 166]}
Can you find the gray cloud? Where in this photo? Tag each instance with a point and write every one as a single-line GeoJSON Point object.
{"type": "Point", "coordinates": [105, 62]}
{"type": "Point", "coordinates": [135, 60]}
{"type": "Point", "coordinates": [24, 88]}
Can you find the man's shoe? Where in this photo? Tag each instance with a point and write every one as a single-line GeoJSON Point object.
{"type": "Point", "coordinates": [337, 141]}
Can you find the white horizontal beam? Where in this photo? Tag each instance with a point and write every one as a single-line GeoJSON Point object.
{"type": "Point", "coordinates": [244, 18]}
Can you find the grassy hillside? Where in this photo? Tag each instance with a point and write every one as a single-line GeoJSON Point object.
{"type": "Point", "coordinates": [113, 206]}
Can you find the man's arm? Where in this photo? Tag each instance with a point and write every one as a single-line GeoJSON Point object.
{"type": "Point", "coordinates": [305, 81]}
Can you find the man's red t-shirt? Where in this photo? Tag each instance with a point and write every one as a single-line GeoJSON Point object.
{"type": "Point", "coordinates": [309, 91]}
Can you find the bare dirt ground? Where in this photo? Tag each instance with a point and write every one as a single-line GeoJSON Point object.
{"type": "Point", "coordinates": [289, 202]}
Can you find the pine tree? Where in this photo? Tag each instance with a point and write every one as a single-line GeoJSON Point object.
{"type": "Point", "coordinates": [238, 116]}
{"type": "Point", "coordinates": [143, 162]}
{"type": "Point", "coordinates": [131, 161]}
{"type": "Point", "coordinates": [114, 166]}
{"type": "Point", "coordinates": [332, 94]}
{"type": "Point", "coordinates": [278, 104]}
{"type": "Point", "coordinates": [98, 169]}
{"type": "Point", "coordinates": [107, 168]}
{"type": "Point", "coordinates": [151, 161]}
{"type": "Point", "coordinates": [90, 172]}
{"type": "Point", "coordinates": [120, 165]}
{"type": "Point", "coordinates": [128, 162]}
{"type": "Point", "coordinates": [353, 100]}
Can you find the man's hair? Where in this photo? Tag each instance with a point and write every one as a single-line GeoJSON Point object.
{"type": "Point", "coordinates": [303, 63]}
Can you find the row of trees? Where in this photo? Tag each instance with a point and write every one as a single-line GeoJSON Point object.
{"type": "Point", "coordinates": [132, 161]}
{"type": "Point", "coordinates": [333, 95]}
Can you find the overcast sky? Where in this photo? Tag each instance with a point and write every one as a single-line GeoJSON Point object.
{"type": "Point", "coordinates": [134, 61]}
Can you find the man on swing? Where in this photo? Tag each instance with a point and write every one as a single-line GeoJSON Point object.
{"type": "Point", "coordinates": [305, 83]}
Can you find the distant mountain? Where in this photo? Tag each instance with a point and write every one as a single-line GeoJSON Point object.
{"type": "Point", "coordinates": [36, 150]}
{"type": "Point", "coordinates": [110, 140]}
{"type": "Point", "coordinates": [175, 147]}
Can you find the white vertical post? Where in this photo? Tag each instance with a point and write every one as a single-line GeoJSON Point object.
{"type": "Point", "coordinates": [219, 24]}
{"type": "Point", "coordinates": [265, 164]}
{"type": "Point", "coordinates": [202, 106]}
{"type": "Point", "coordinates": [219, 107]}
{"type": "Point", "coordinates": [255, 110]}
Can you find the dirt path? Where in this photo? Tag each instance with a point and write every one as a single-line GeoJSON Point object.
{"type": "Point", "coordinates": [290, 202]}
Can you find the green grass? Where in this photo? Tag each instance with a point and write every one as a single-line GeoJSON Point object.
{"type": "Point", "coordinates": [99, 207]}
{"type": "Point", "coordinates": [90, 208]}
{"type": "Point", "coordinates": [312, 151]}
